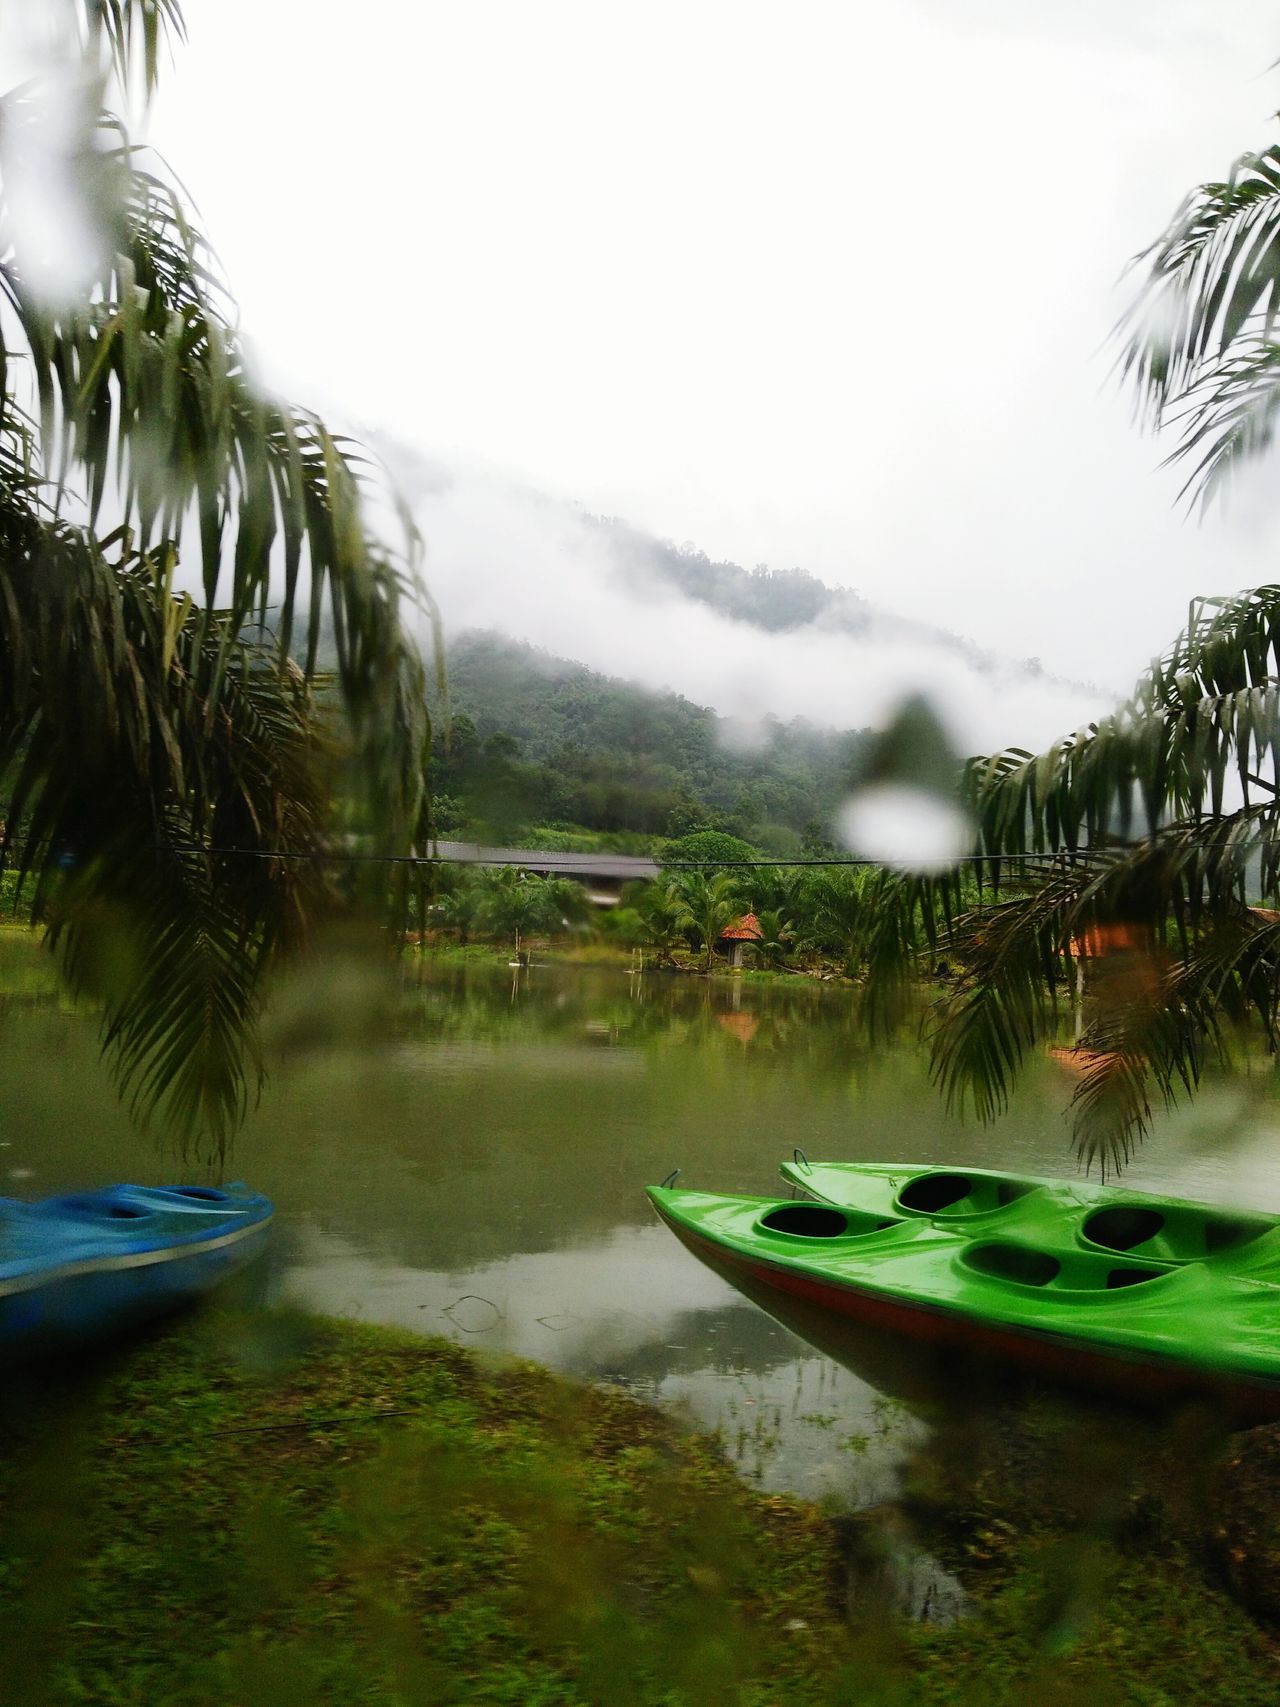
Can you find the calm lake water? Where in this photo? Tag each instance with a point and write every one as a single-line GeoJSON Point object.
{"type": "Point", "coordinates": [464, 1155]}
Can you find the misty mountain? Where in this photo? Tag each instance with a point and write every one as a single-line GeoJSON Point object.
{"type": "Point", "coordinates": [783, 600]}
{"type": "Point", "coordinates": [537, 739]}
{"type": "Point", "coordinates": [608, 593]}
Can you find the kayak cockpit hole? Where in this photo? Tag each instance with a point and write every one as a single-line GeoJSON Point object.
{"type": "Point", "coordinates": [1176, 1233]}
{"type": "Point", "coordinates": [95, 1206]}
{"type": "Point", "coordinates": [1020, 1263]}
{"type": "Point", "coordinates": [1122, 1227]}
{"type": "Point", "coordinates": [1132, 1276]}
{"type": "Point", "coordinates": [809, 1220]}
{"type": "Point", "coordinates": [1226, 1232]}
{"type": "Point", "coordinates": [931, 1193]}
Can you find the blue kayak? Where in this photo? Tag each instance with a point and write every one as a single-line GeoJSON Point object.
{"type": "Point", "coordinates": [76, 1269]}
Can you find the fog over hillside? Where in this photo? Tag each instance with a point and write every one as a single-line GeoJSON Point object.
{"type": "Point", "coordinates": [503, 557]}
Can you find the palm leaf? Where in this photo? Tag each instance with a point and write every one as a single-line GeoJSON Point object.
{"type": "Point", "coordinates": [169, 759]}
{"type": "Point", "coordinates": [1198, 350]}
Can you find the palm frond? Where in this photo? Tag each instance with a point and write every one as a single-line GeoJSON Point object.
{"type": "Point", "coordinates": [1211, 273]}
{"type": "Point", "coordinates": [148, 817]}
{"type": "Point", "coordinates": [132, 34]}
{"type": "Point", "coordinates": [1205, 715]}
{"type": "Point", "coordinates": [1010, 958]}
{"type": "Point", "coordinates": [898, 929]}
{"type": "Point", "coordinates": [168, 758]}
{"type": "Point", "coordinates": [1198, 349]}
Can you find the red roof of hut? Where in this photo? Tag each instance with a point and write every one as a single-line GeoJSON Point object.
{"type": "Point", "coordinates": [745, 929]}
{"type": "Point", "coordinates": [1094, 941]}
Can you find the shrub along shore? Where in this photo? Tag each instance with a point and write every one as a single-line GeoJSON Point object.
{"type": "Point", "coordinates": [262, 1508]}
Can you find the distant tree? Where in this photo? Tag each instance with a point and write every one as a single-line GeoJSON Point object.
{"type": "Point", "coordinates": [687, 815]}
{"type": "Point", "coordinates": [816, 843]}
{"type": "Point", "coordinates": [749, 806]}
{"type": "Point", "coordinates": [708, 847]}
{"type": "Point", "coordinates": [623, 924]}
{"type": "Point", "coordinates": [657, 914]}
{"type": "Point", "coordinates": [707, 906]}
{"type": "Point", "coordinates": [779, 841]}
{"type": "Point", "coordinates": [661, 911]}
{"type": "Point", "coordinates": [462, 740]}
{"type": "Point", "coordinates": [515, 904]}
{"type": "Point", "coordinates": [448, 815]}
{"type": "Point", "coordinates": [610, 755]}
{"type": "Point", "coordinates": [833, 905]}
{"type": "Point", "coordinates": [457, 900]}
{"type": "Point", "coordinates": [777, 935]}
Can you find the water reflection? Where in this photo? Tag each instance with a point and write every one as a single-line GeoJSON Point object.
{"type": "Point", "coordinates": [467, 1158]}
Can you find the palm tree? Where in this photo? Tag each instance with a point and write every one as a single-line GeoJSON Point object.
{"type": "Point", "coordinates": [517, 905]}
{"type": "Point", "coordinates": [833, 904]}
{"type": "Point", "coordinates": [706, 905]}
{"type": "Point", "coordinates": [167, 738]}
{"type": "Point", "coordinates": [1163, 818]}
{"type": "Point", "coordinates": [777, 935]}
{"type": "Point", "coordinates": [661, 915]}
{"type": "Point", "coordinates": [458, 901]}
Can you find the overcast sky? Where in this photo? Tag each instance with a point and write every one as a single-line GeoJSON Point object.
{"type": "Point", "coordinates": [809, 284]}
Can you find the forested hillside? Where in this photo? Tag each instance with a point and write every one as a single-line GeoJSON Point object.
{"type": "Point", "coordinates": [535, 740]}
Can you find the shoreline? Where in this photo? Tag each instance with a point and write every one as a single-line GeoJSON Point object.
{"type": "Point", "coordinates": [612, 957]}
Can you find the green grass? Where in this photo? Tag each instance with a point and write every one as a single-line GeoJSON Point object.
{"type": "Point", "coordinates": [13, 906]}
{"type": "Point", "coordinates": [264, 1510]}
{"type": "Point", "coordinates": [27, 970]}
{"type": "Point", "coordinates": [464, 953]}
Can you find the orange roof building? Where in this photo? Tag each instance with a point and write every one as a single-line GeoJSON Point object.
{"type": "Point", "coordinates": [737, 935]}
{"type": "Point", "coordinates": [1095, 941]}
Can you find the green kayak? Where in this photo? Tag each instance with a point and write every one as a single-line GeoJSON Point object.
{"type": "Point", "coordinates": [1122, 1291]}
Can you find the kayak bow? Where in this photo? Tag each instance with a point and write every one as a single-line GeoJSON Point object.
{"type": "Point", "coordinates": [77, 1268]}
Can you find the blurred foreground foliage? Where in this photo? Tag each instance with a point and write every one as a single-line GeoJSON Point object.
{"type": "Point", "coordinates": [1157, 828]}
{"type": "Point", "coordinates": [174, 544]}
{"type": "Point", "coordinates": [279, 1510]}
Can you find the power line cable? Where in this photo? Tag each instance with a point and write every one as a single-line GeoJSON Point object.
{"type": "Point", "coordinates": [584, 861]}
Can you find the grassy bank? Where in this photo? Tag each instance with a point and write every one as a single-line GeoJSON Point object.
{"type": "Point", "coordinates": [264, 1510]}
{"type": "Point", "coordinates": [27, 970]}
{"type": "Point", "coordinates": [15, 905]}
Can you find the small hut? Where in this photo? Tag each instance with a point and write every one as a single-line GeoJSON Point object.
{"type": "Point", "coordinates": [733, 939]}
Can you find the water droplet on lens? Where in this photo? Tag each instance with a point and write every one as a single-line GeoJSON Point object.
{"type": "Point", "coordinates": [911, 828]}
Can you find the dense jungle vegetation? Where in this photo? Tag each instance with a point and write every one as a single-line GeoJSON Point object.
{"type": "Point", "coordinates": [536, 740]}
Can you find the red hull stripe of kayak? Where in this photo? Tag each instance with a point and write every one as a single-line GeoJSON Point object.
{"type": "Point", "coordinates": [1144, 1380]}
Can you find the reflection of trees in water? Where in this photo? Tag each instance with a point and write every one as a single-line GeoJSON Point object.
{"type": "Point", "coordinates": [737, 1339]}
{"type": "Point", "coordinates": [810, 1024]}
